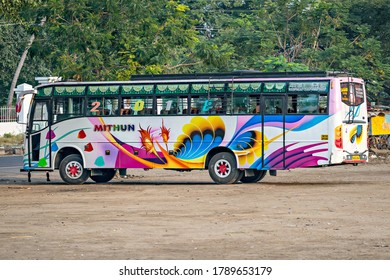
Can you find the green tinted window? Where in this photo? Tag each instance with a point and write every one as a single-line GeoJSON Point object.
{"type": "Point", "coordinates": [274, 87]}
{"type": "Point", "coordinates": [103, 90]}
{"type": "Point", "coordinates": [69, 90]}
{"type": "Point", "coordinates": [137, 89]}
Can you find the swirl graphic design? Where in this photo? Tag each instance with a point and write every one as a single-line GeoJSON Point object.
{"type": "Point", "coordinates": [294, 157]}
{"type": "Point", "coordinates": [199, 136]}
{"type": "Point", "coordinates": [202, 134]}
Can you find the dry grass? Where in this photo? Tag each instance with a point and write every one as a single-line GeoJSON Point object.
{"type": "Point", "coordinates": [9, 139]}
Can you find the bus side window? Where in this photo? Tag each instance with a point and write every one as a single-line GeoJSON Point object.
{"type": "Point", "coordinates": [67, 107]}
{"type": "Point", "coordinates": [292, 104]}
{"type": "Point", "coordinates": [194, 111]}
{"type": "Point", "coordinates": [182, 105]}
{"type": "Point", "coordinates": [162, 105]}
{"type": "Point", "coordinates": [142, 106]}
{"type": "Point", "coordinates": [138, 106]}
{"type": "Point", "coordinates": [217, 106]}
{"type": "Point", "coordinates": [254, 104]}
{"type": "Point", "coordinates": [125, 112]}
{"type": "Point", "coordinates": [228, 105]}
{"type": "Point", "coordinates": [196, 105]}
{"type": "Point", "coordinates": [307, 103]}
{"type": "Point", "coordinates": [240, 105]}
{"type": "Point", "coordinates": [110, 106]}
{"type": "Point", "coordinates": [323, 104]}
{"type": "Point", "coordinates": [126, 107]}
{"type": "Point", "coordinates": [40, 116]}
{"type": "Point", "coordinates": [273, 105]}
{"type": "Point", "coordinates": [95, 106]}
{"type": "Point", "coordinates": [146, 111]}
{"type": "Point", "coordinates": [166, 106]}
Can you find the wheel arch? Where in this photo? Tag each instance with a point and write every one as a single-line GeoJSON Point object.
{"type": "Point", "coordinates": [64, 152]}
{"type": "Point", "coordinates": [215, 151]}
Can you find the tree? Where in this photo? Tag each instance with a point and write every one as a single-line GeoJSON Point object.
{"type": "Point", "coordinates": [372, 49]}
{"type": "Point", "coordinates": [20, 65]}
{"type": "Point", "coordinates": [12, 41]}
{"type": "Point", "coordinates": [11, 12]}
{"type": "Point", "coordinates": [162, 40]}
{"type": "Point", "coordinates": [114, 39]}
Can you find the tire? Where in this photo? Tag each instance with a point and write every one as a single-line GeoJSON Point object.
{"type": "Point", "coordinates": [258, 175]}
{"type": "Point", "coordinates": [223, 169]}
{"type": "Point", "coordinates": [72, 170]}
{"type": "Point", "coordinates": [107, 175]}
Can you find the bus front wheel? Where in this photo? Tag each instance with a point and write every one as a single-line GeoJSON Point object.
{"type": "Point", "coordinates": [72, 170]}
{"type": "Point", "coordinates": [106, 175]}
{"type": "Point", "coordinates": [257, 176]}
{"type": "Point", "coordinates": [223, 169]}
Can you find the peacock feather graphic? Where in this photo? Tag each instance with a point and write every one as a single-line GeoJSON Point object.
{"type": "Point", "coordinates": [199, 136]}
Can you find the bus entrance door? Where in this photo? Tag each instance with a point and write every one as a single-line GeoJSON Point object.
{"type": "Point", "coordinates": [273, 130]}
{"type": "Point", "coordinates": [39, 137]}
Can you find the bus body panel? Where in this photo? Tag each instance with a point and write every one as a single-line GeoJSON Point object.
{"type": "Point", "coordinates": [118, 142]}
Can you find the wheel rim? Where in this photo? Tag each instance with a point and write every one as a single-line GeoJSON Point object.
{"type": "Point", "coordinates": [74, 169]}
{"type": "Point", "coordinates": [222, 168]}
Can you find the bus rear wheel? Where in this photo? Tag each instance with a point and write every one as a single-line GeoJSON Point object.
{"type": "Point", "coordinates": [72, 170]}
{"type": "Point", "coordinates": [257, 176]}
{"type": "Point", "coordinates": [106, 175]}
{"type": "Point", "coordinates": [223, 169]}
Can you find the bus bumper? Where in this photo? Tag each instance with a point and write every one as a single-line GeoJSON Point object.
{"type": "Point", "coordinates": [356, 158]}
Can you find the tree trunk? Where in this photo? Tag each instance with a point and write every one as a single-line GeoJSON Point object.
{"type": "Point", "coordinates": [20, 66]}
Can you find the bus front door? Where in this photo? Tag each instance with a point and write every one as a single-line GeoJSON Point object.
{"type": "Point", "coordinates": [273, 108]}
{"type": "Point", "coordinates": [39, 137]}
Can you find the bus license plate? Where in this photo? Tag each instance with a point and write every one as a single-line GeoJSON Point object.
{"type": "Point", "coordinates": [357, 157]}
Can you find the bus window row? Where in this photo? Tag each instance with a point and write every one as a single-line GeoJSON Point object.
{"type": "Point", "coordinates": [67, 107]}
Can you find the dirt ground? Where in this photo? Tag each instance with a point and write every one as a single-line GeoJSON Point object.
{"type": "Point", "coordinates": [337, 212]}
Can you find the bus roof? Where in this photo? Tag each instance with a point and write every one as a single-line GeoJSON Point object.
{"type": "Point", "coordinates": [235, 76]}
{"type": "Point", "coordinates": [229, 75]}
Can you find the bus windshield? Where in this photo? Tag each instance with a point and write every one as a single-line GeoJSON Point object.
{"type": "Point", "coordinates": [352, 94]}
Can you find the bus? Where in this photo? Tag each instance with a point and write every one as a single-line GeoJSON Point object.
{"type": "Point", "coordinates": [236, 125]}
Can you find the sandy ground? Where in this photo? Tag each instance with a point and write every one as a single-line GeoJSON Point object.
{"type": "Point", "coordinates": [337, 212]}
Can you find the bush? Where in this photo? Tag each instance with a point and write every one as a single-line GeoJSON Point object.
{"type": "Point", "coordinates": [11, 139]}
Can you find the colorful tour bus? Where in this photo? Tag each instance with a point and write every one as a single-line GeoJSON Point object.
{"type": "Point", "coordinates": [236, 125]}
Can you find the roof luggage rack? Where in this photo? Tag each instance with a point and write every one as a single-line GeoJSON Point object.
{"type": "Point", "coordinates": [339, 74]}
{"type": "Point", "coordinates": [228, 75]}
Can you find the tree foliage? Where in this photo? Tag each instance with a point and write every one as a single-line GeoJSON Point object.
{"type": "Point", "coordinates": [114, 39]}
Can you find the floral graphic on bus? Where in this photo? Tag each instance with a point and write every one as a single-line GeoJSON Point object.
{"type": "Point", "coordinates": [164, 133]}
{"type": "Point", "coordinates": [147, 142]}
